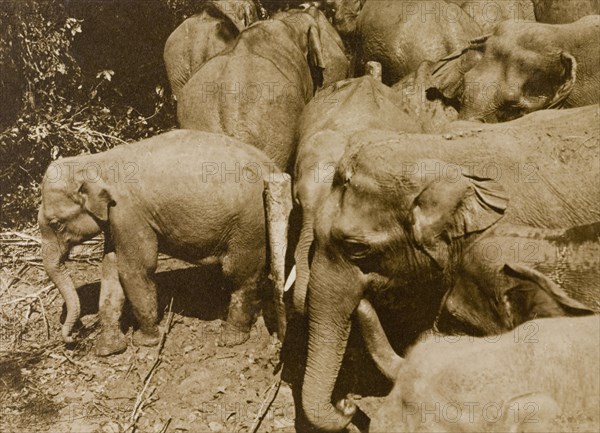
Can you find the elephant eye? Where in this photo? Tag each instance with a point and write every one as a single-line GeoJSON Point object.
{"type": "Point", "coordinates": [356, 249]}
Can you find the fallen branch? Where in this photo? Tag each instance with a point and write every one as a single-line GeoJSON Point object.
{"type": "Point", "coordinates": [20, 273]}
{"type": "Point", "coordinates": [266, 404]}
{"type": "Point", "coordinates": [20, 235]}
{"type": "Point", "coordinates": [139, 401]}
{"type": "Point", "coordinates": [26, 297]}
{"type": "Point", "coordinates": [166, 426]}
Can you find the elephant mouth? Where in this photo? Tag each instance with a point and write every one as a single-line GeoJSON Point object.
{"type": "Point", "coordinates": [453, 324]}
{"type": "Point", "coordinates": [377, 283]}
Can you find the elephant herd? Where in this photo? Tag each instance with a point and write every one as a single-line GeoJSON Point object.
{"type": "Point", "coordinates": [438, 191]}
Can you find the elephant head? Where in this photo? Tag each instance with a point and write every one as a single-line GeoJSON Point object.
{"type": "Point", "coordinates": [478, 305]}
{"type": "Point", "coordinates": [436, 372]}
{"type": "Point", "coordinates": [376, 232]}
{"type": "Point", "coordinates": [325, 50]}
{"type": "Point", "coordinates": [499, 77]}
{"type": "Point", "coordinates": [73, 210]}
{"type": "Point", "coordinates": [240, 13]}
{"type": "Point", "coordinates": [345, 17]}
{"type": "Point", "coordinates": [560, 12]}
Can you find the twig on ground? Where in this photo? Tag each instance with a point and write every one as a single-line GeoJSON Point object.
{"type": "Point", "coordinates": [20, 235]}
{"type": "Point", "coordinates": [20, 273]}
{"type": "Point", "coordinates": [26, 297]}
{"type": "Point", "coordinates": [72, 361]}
{"type": "Point", "coordinates": [139, 401]}
{"type": "Point", "coordinates": [107, 414]}
{"type": "Point", "coordinates": [166, 426]}
{"type": "Point", "coordinates": [267, 402]}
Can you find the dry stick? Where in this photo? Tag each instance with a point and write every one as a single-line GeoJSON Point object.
{"type": "Point", "coordinates": [72, 361]}
{"type": "Point", "coordinates": [266, 404]}
{"type": "Point", "coordinates": [33, 295]}
{"type": "Point", "coordinates": [106, 414]}
{"type": "Point", "coordinates": [20, 273]}
{"type": "Point", "coordinates": [22, 236]}
{"type": "Point", "coordinates": [166, 426]}
{"type": "Point", "coordinates": [135, 414]}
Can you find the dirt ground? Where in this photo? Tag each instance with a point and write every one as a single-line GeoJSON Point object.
{"type": "Point", "coordinates": [188, 385]}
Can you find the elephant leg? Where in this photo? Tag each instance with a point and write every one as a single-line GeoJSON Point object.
{"type": "Point", "coordinates": [245, 299]}
{"type": "Point", "coordinates": [137, 257]}
{"type": "Point", "coordinates": [111, 340]}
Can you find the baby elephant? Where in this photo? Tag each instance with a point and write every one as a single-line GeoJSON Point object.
{"type": "Point", "coordinates": [193, 195]}
{"type": "Point", "coordinates": [521, 381]}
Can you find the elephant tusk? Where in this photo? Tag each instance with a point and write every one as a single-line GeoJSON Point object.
{"type": "Point", "coordinates": [374, 70]}
{"type": "Point", "coordinates": [290, 280]}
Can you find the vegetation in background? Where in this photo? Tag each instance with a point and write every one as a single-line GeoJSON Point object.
{"type": "Point", "coordinates": [77, 76]}
{"type": "Point", "coordinates": [80, 76]}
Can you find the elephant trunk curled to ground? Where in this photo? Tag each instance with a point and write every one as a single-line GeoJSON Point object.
{"type": "Point", "coordinates": [369, 240]}
{"type": "Point", "coordinates": [193, 195]}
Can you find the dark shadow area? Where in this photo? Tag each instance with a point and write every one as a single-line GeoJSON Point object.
{"type": "Point", "coordinates": [197, 292]}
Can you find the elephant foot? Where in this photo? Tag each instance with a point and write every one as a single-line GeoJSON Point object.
{"type": "Point", "coordinates": [232, 336]}
{"type": "Point", "coordinates": [110, 343]}
{"type": "Point", "coordinates": [146, 338]}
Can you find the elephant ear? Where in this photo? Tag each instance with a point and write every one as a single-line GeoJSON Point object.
{"type": "Point", "coordinates": [447, 210]}
{"type": "Point", "coordinates": [315, 56]}
{"type": "Point", "coordinates": [569, 78]}
{"type": "Point", "coordinates": [517, 413]}
{"type": "Point", "coordinates": [447, 75]}
{"type": "Point", "coordinates": [346, 13]}
{"type": "Point", "coordinates": [534, 295]}
{"type": "Point", "coordinates": [96, 199]}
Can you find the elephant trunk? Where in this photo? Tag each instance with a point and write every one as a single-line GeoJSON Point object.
{"type": "Point", "coordinates": [54, 254]}
{"type": "Point", "coordinates": [302, 264]}
{"type": "Point", "coordinates": [387, 361]}
{"type": "Point", "coordinates": [333, 296]}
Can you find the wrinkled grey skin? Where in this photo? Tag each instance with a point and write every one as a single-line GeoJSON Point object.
{"type": "Point", "coordinates": [489, 13]}
{"type": "Point", "coordinates": [513, 274]}
{"type": "Point", "coordinates": [400, 34]}
{"type": "Point", "coordinates": [523, 67]}
{"type": "Point", "coordinates": [256, 91]}
{"type": "Point", "coordinates": [133, 194]}
{"type": "Point", "coordinates": [369, 242]}
{"type": "Point", "coordinates": [562, 12]}
{"type": "Point", "coordinates": [434, 114]}
{"type": "Point", "coordinates": [204, 35]}
{"type": "Point", "coordinates": [335, 114]}
{"type": "Point", "coordinates": [519, 381]}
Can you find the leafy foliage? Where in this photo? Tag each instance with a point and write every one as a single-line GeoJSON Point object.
{"type": "Point", "coordinates": [76, 79]}
{"type": "Point", "coordinates": [80, 76]}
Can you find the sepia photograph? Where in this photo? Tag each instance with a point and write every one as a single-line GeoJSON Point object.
{"type": "Point", "coordinates": [280, 216]}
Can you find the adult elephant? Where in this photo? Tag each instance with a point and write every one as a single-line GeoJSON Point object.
{"type": "Point", "coordinates": [562, 12]}
{"type": "Point", "coordinates": [256, 90]}
{"type": "Point", "coordinates": [210, 31]}
{"type": "Point", "coordinates": [433, 113]}
{"type": "Point", "coordinates": [330, 119]}
{"type": "Point", "coordinates": [401, 34]}
{"type": "Point", "coordinates": [489, 13]}
{"type": "Point", "coordinates": [507, 371]}
{"type": "Point", "coordinates": [368, 240]}
{"type": "Point", "coordinates": [514, 274]}
{"type": "Point", "coordinates": [523, 67]}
